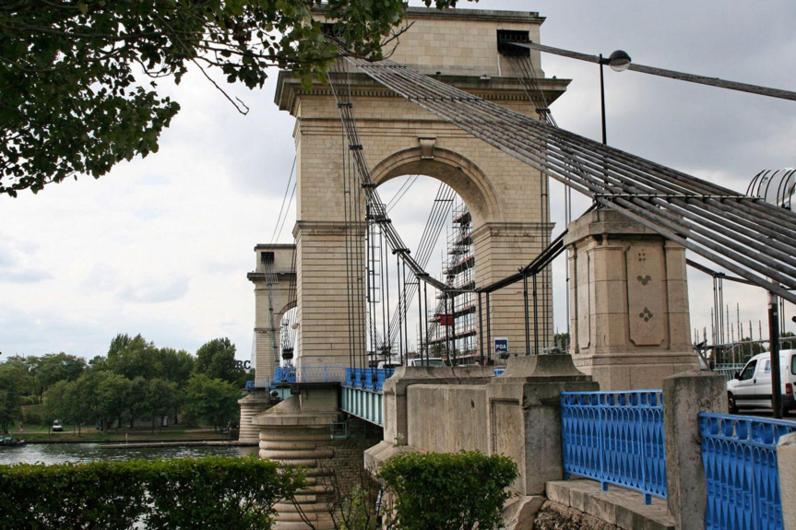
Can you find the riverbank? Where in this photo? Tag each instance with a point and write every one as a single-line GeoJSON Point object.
{"type": "Point", "coordinates": [166, 434]}
{"type": "Point", "coordinates": [89, 452]}
{"type": "Point", "coordinates": [154, 445]}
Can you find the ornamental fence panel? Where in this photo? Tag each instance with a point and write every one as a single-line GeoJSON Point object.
{"type": "Point", "coordinates": [615, 438]}
{"type": "Point", "coordinates": [310, 373]}
{"type": "Point", "coordinates": [320, 373]}
{"type": "Point", "coordinates": [368, 378]}
{"type": "Point", "coordinates": [739, 454]}
{"type": "Point", "coordinates": [284, 374]}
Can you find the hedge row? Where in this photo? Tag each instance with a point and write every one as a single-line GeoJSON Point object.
{"type": "Point", "coordinates": [211, 492]}
{"type": "Point", "coordinates": [447, 491]}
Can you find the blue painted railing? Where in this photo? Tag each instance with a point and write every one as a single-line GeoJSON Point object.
{"type": "Point", "coordinates": [310, 373]}
{"type": "Point", "coordinates": [368, 378]}
{"type": "Point", "coordinates": [615, 438]}
{"type": "Point", "coordinates": [740, 458]}
{"type": "Point", "coordinates": [285, 374]}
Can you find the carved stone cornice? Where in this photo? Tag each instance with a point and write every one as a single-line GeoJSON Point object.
{"type": "Point", "coordinates": [289, 90]}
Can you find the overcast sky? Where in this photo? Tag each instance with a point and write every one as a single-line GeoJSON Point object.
{"type": "Point", "coordinates": [161, 246]}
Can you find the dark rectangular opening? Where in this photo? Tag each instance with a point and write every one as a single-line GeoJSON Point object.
{"type": "Point", "coordinates": [505, 38]}
{"type": "Point", "coordinates": [331, 29]}
{"type": "Point", "coordinates": [267, 257]}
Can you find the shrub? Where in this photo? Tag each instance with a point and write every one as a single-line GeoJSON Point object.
{"type": "Point", "coordinates": [447, 491]}
{"type": "Point", "coordinates": [211, 492]}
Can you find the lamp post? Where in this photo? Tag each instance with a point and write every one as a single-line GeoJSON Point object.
{"type": "Point", "coordinates": [619, 61]}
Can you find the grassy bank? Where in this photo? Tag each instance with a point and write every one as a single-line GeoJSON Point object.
{"type": "Point", "coordinates": [39, 433]}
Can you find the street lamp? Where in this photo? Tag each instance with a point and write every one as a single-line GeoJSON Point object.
{"type": "Point", "coordinates": [619, 61]}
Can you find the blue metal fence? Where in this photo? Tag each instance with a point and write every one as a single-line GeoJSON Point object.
{"type": "Point", "coordinates": [285, 374]}
{"type": "Point", "coordinates": [368, 378]}
{"type": "Point", "coordinates": [740, 458]}
{"type": "Point", "coordinates": [310, 373]}
{"type": "Point", "coordinates": [362, 393]}
{"type": "Point", "coordinates": [615, 438]}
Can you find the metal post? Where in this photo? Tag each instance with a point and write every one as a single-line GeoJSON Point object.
{"type": "Point", "coordinates": [453, 324]}
{"type": "Point", "coordinates": [419, 321]}
{"type": "Point", "coordinates": [400, 310]}
{"type": "Point", "coordinates": [387, 318]}
{"type": "Point", "coordinates": [406, 311]}
{"type": "Point", "coordinates": [488, 327]}
{"type": "Point", "coordinates": [773, 338]}
{"type": "Point", "coordinates": [481, 329]}
{"type": "Point", "coordinates": [602, 99]}
{"type": "Point", "coordinates": [535, 320]}
{"type": "Point", "coordinates": [425, 299]}
{"type": "Point", "coordinates": [447, 333]}
{"type": "Point", "coordinates": [527, 317]}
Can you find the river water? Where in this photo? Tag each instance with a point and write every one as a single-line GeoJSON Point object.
{"type": "Point", "coordinates": [76, 453]}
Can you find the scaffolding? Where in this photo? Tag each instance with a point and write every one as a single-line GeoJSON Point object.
{"type": "Point", "coordinates": [452, 324]}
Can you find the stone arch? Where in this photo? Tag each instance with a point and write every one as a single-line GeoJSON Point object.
{"type": "Point", "coordinates": [281, 313]}
{"type": "Point", "coordinates": [455, 170]}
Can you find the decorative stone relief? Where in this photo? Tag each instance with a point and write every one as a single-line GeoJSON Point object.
{"type": "Point", "coordinates": [645, 296]}
{"type": "Point", "coordinates": [584, 307]}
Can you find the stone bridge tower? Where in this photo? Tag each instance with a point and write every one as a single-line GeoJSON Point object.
{"type": "Point", "coordinates": [272, 277]}
{"type": "Point", "coordinates": [506, 197]}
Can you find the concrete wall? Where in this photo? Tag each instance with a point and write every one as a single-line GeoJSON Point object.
{"type": "Point", "coordinates": [448, 418]}
{"type": "Point", "coordinates": [516, 414]}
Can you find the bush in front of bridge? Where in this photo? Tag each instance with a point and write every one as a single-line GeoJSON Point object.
{"type": "Point", "coordinates": [211, 492]}
{"type": "Point", "coordinates": [447, 491]}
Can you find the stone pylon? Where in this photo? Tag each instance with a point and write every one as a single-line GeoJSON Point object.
{"type": "Point", "coordinates": [629, 303]}
{"type": "Point", "coordinates": [507, 199]}
{"type": "Point", "coordinates": [272, 277]}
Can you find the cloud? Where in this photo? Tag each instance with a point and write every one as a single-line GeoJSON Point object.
{"type": "Point", "coordinates": [162, 245]}
{"type": "Point", "coordinates": [24, 276]}
{"type": "Point", "coordinates": [156, 291]}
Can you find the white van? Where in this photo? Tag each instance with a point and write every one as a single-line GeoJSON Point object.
{"type": "Point", "coordinates": [751, 388]}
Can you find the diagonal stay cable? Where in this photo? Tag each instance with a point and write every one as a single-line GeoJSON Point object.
{"type": "Point", "coordinates": [436, 220]}
{"type": "Point", "coordinates": [652, 194]}
{"type": "Point", "coordinates": [378, 208]}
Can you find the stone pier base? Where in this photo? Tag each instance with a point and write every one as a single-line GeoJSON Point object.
{"type": "Point", "coordinates": [250, 406]}
{"type": "Point", "coordinates": [297, 432]}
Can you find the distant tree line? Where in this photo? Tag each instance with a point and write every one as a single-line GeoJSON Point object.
{"type": "Point", "coordinates": [135, 381]}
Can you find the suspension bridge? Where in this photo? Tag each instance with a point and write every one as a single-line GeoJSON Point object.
{"type": "Point", "coordinates": [333, 309]}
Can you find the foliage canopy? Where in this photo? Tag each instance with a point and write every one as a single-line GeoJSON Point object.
{"type": "Point", "coordinates": [78, 76]}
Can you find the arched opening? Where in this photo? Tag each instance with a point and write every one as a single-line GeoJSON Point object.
{"type": "Point", "coordinates": [461, 174]}
{"type": "Point", "coordinates": [406, 318]}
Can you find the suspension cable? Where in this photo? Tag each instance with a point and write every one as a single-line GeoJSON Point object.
{"type": "Point", "coordinates": [744, 235]}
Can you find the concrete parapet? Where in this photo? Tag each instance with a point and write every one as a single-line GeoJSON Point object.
{"type": "Point", "coordinates": [453, 409]}
{"type": "Point", "coordinates": [382, 452]}
{"type": "Point", "coordinates": [524, 409]}
{"type": "Point", "coordinates": [464, 409]}
{"type": "Point", "coordinates": [519, 512]}
{"type": "Point", "coordinates": [684, 397]}
{"type": "Point", "coordinates": [395, 395]}
{"type": "Point", "coordinates": [786, 461]}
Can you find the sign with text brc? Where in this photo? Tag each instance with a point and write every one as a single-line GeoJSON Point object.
{"type": "Point", "coordinates": [501, 345]}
